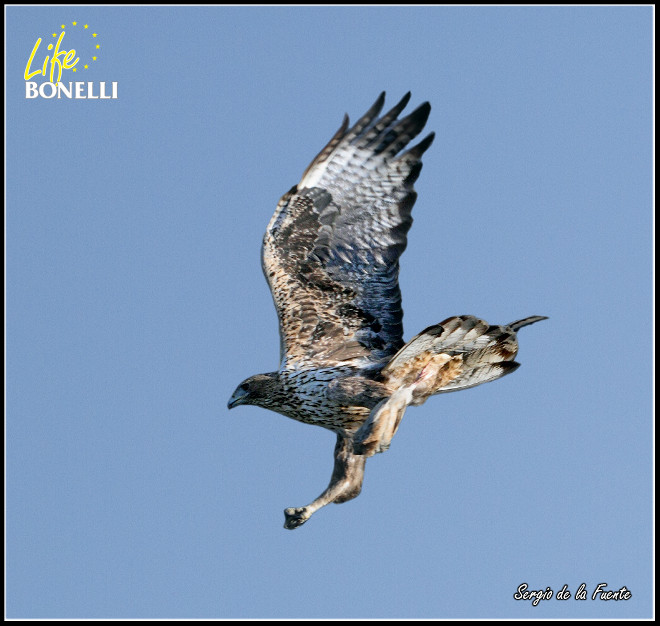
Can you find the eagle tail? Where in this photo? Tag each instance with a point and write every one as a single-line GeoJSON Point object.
{"type": "Point", "coordinates": [461, 352]}
{"type": "Point", "coordinates": [465, 350]}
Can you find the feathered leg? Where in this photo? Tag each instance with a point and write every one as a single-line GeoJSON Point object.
{"type": "Point", "coordinates": [375, 435]}
{"type": "Point", "coordinates": [345, 484]}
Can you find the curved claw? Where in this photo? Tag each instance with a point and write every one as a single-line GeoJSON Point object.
{"type": "Point", "coordinates": [295, 517]}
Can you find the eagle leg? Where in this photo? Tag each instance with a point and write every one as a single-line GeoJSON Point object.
{"type": "Point", "coordinates": [345, 484]}
{"type": "Point", "coordinates": [375, 435]}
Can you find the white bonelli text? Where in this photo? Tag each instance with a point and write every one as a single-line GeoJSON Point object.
{"type": "Point", "coordinates": [79, 90]}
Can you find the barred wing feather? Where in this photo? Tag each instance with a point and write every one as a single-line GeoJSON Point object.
{"type": "Point", "coordinates": [331, 251]}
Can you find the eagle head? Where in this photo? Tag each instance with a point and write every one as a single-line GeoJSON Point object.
{"type": "Point", "coordinates": [258, 389]}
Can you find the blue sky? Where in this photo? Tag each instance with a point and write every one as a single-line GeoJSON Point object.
{"type": "Point", "coordinates": [136, 304]}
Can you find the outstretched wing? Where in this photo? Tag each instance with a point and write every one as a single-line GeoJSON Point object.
{"type": "Point", "coordinates": [331, 251]}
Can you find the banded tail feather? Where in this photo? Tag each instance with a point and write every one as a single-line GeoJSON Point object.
{"type": "Point", "coordinates": [459, 353]}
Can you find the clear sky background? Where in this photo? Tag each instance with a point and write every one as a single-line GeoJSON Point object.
{"type": "Point", "coordinates": [136, 304]}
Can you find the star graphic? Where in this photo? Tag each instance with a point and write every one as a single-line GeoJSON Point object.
{"type": "Point", "coordinates": [50, 46]}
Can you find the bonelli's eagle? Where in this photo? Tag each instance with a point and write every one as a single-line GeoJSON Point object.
{"type": "Point", "coordinates": [331, 257]}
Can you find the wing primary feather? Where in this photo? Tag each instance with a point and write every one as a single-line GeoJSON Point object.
{"type": "Point", "coordinates": [367, 118]}
{"type": "Point", "coordinates": [418, 149]}
{"type": "Point", "coordinates": [517, 325]}
{"type": "Point", "coordinates": [331, 145]}
{"type": "Point", "coordinates": [398, 136]}
{"type": "Point", "coordinates": [385, 121]}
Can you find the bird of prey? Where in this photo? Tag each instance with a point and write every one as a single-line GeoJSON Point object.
{"type": "Point", "coordinates": [331, 257]}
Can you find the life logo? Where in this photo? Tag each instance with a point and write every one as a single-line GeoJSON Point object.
{"type": "Point", "coordinates": [54, 62]}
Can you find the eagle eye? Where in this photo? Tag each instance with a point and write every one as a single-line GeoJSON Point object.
{"type": "Point", "coordinates": [244, 387]}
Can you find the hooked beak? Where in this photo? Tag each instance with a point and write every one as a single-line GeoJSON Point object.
{"type": "Point", "coordinates": [236, 399]}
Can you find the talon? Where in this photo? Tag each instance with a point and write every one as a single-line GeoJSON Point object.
{"type": "Point", "coordinates": [295, 517]}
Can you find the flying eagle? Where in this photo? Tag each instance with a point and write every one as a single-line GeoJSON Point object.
{"type": "Point", "coordinates": [331, 257]}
